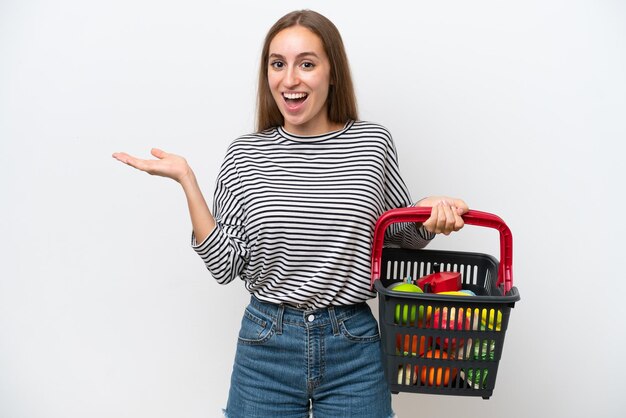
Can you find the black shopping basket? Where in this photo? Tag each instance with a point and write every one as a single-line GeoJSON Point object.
{"type": "Point", "coordinates": [435, 343]}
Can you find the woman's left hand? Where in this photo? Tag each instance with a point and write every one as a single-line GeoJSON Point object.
{"type": "Point", "coordinates": [446, 213]}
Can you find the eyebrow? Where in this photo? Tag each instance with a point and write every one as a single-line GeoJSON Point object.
{"type": "Point", "coordinates": [300, 55]}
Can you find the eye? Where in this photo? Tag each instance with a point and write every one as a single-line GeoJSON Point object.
{"type": "Point", "coordinates": [277, 65]}
{"type": "Point", "coordinates": [307, 65]}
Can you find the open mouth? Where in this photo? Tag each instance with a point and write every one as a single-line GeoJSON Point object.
{"type": "Point", "coordinates": [295, 98]}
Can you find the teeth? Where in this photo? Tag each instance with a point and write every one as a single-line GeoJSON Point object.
{"type": "Point", "coordinates": [294, 96]}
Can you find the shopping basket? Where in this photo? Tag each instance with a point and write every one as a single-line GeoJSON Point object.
{"type": "Point", "coordinates": [435, 343]}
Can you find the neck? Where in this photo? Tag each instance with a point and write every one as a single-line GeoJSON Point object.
{"type": "Point", "coordinates": [318, 129]}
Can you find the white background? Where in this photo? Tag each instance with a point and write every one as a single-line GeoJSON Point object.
{"type": "Point", "coordinates": [517, 106]}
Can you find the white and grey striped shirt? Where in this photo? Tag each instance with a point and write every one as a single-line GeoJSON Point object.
{"type": "Point", "coordinates": [295, 215]}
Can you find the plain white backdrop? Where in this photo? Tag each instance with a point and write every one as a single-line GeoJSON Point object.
{"type": "Point", "coordinates": [519, 107]}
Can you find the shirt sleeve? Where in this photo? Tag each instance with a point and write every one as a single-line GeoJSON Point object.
{"type": "Point", "coordinates": [401, 234]}
{"type": "Point", "coordinates": [225, 251]}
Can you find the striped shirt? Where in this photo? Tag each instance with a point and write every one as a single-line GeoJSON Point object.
{"type": "Point", "coordinates": [295, 215]}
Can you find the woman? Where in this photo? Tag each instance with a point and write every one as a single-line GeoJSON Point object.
{"type": "Point", "coordinates": [295, 207]}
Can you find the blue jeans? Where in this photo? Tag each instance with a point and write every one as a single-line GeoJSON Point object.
{"type": "Point", "coordinates": [290, 360]}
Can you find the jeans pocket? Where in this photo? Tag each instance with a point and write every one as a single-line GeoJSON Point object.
{"type": "Point", "coordinates": [256, 328]}
{"type": "Point", "coordinates": [360, 328]}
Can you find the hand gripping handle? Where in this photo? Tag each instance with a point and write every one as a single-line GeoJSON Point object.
{"type": "Point", "coordinates": [472, 217]}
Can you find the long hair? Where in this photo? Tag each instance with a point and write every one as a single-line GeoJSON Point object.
{"type": "Point", "coordinates": [341, 102]}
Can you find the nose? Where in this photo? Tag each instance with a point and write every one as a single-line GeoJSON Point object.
{"type": "Point", "coordinates": [292, 78]}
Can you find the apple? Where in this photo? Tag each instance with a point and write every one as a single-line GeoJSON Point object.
{"type": "Point", "coordinates": [457, 321]}
{"type": "Point", "coordinates": [402, 310]}
{"type": "Point", "coordinates": [406, 287]}
{"type": "Point", "coordinates": [460, 321]}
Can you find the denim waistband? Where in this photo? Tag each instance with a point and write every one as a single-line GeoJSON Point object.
{"type": "Point", "coordinates": [286, 314]}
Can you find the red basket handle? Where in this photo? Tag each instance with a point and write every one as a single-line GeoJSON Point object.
{"type": "Point", "coordinates": [472, 217]}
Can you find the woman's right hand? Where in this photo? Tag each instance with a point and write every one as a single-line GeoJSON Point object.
{"type": "Point", "coordinates": [166, 165]}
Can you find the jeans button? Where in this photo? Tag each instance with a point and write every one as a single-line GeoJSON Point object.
{"type": "Point", "coordinates": [311, 318]}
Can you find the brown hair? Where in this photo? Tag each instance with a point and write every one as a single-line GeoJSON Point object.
{"type": "Point", "coordinates": [341, 101]}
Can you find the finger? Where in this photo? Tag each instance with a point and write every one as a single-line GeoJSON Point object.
{"type": "Point", "coordinates": [439, 218]}
{"type": "Point", "coordinates": [431, 223]}
{"type": "Point", "coordinates": [458, 219]}
{"type": "Point", "coordinates": [126, 159]}
{"type": "Point", "coordinates": [138, 163]}
{"type": "Point", "coordinates": [121, 156]}
{"type": "Point", "coordinates": [461, 206]}
{"type": "Point", "coordinates": [159, 153]}
{"type": "Point", "coordinates": [447, 219]}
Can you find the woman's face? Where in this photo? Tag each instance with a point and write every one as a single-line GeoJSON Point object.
{"type": "Point", "coordinates": [299, 78]}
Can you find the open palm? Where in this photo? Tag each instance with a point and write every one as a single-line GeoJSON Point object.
{"type": "Point", "coordinates": [166, 165]}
